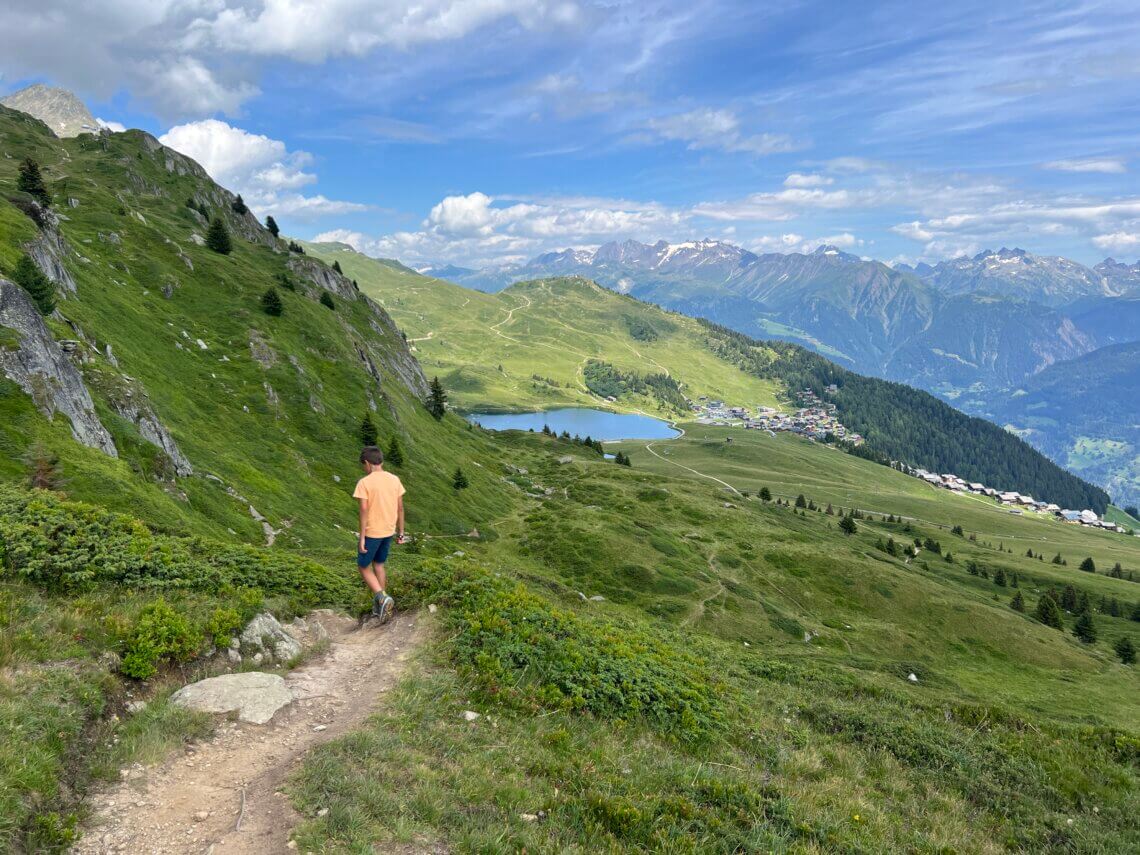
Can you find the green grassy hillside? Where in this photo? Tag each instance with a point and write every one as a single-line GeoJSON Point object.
{"type": "Point", "coordinates": [526, 347]}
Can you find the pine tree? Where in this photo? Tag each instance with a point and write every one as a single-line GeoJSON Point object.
{"type": "Point", "coordinates": [437, 400]}
{"type": "Point", "coordinates": [1135, 613]}
{"type": "Point", "coordinates": [999, 577]}
{"type": "Point", "coordinates": [368, 432]}
{"type": "Point", "coordinates": [1084, 628]}
{"type": "Point", "coordinates": [271, 303]}
{"type": "Point", "coordinates": [31, 181]}
{"type": "Point", "coordinates": [1117, 571]}
{"type": "Point", "coordinates": [765, 494]}
{"type": "Point", "coordinates": [1125, 649]}
{"type": "Point", "coordinates": [271, 225]}
{"type": "Point", "coordinates": [1088, 565]}
{"type": "Point", "coordinates": [847, 525]}
{"type": "Point", "coordinates": [1017, 603]}
{"type": "Point", "coordinates": [1049, 613]}
{"type": "Point", "coordinates": [1069, 599]}
{"type": "Point", "coordinates": [218, 237]}
{"type": "Point", "coordinates": [336, 267]}
{"type": "Point", "coordinates": [459, 480]}
{"type": "Point", "coordinates": [1057, 559]}
{"type": "Point", "coordinates": [238, 205]}
{"type": "Point", "coordinates": [29, 277]}
{"type": "Point", "coordinates": [801, 502]}
{"type": "Point", "coordinates": [394, 453]}
{"type": "Point", "coordinates": [327, 301]}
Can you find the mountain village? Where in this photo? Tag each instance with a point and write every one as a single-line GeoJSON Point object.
{"type": "Point", "coordinates": [816, 420]}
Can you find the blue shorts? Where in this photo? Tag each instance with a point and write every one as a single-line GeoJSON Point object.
{"type": "Point", "coordinates": [376, 551]}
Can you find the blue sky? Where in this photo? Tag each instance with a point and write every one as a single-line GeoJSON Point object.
{"type": "Point", "coordinates": [486, 131]}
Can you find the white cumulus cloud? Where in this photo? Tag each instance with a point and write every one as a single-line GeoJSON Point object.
{"type": "Point", "coordinates": [262, 169]}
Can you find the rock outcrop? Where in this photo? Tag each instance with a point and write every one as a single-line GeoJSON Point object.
{"type": "Point", "coordinates": [48, 251]}
{"type": "Point", "coordinates": [39, 366]}
{"type": "Point", "coordinates": [131, 402]}
{"type": "Point", "coordinates": [322, 276]}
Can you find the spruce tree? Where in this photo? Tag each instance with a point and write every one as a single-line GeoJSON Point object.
{"type": "Point", "coordinates": [847, 525]}
{"type": "Point", "coordinates": [29, 277]}
{"type": "Point", "coordinates": [394, 453]}
{"type": "Point", "coordinates": [1057, 559]}
{"type": "Point", "coordinates": [1125, 649]}
{"type": "Point", "coordinates": [1088, 565]}
{"type": "Point", "coordinates": [459, 480]}
{"type": "Point", "coordinates": [801, 502]}
{"type": "Point", "coordinates": [1049, 613]}
{"type": "Point", "coordinates": [1017, 603]}
{"type": "Point", "coordinates": [999, 577]}
{"type": "Point", "coordinates": [238, 205]}
{"type": "Point", "coordinates": [368, 432]}
{"type": "Point", "coordinates": [218, 237]}
{"type": "Point", "coordinates": [626, 461]}
{"type": "Point", "coordinates": [271, 225]}
{"type": "Point", "coordinates": [336, 267]}
{"type": "Point", "coordinates": [31, 181]}
{"type": "Point", "coordinates": [765, 494]}
{"type": "Point", "coordinates": [271, 303]}
{"type": "Point", "coordinates": [1084, 628]}
{"type": "Point", "coordinates": [437, 400]}
{"type": "Point", "coordinates": [327, 301]}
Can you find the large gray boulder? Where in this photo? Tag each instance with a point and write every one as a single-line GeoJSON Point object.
{"type": "Point", "coordinates": [265, 635]}
{"type": "Point", "coordinates": [39, 367]}
{"type": "Point", "coordinates": [254, 695]}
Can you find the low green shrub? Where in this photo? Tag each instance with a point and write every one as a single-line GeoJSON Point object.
{"type": "Point", "coordinates": [69, 546]}
{"type": "Point", "coordinates": [160, 633]}
{"type": "Point", "coordinates": [527, 654]}
{"type": "Point", "coordinates": [223, 625]}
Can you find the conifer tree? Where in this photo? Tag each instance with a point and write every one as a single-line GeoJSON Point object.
{"type": "Point", "coordinates": [31, 181]}
{"type": "Point", "coordinates": [41, 289]}
{"type": "Point", "coordinates": [218, 237]}
{"type": "Point", "coordinates": [459, 480]}
{"type": "Point", "coordinates": [238, 205]}
{"type": "Point", "coordinates": [437, 400]}
{"type": "Point", "coordinates": [1049, 613]}
{"type": "Point", "coordinates": [271, 303]}
{"type": "Point", "coordinates": [271, 225]}
{"type": "Point", "coordinates": [1117, 571]}
{"type": "Point", "coordinates": [847, 525]}
{"type": "Point", "coordinates": [394, 453]}
{"type": "Point", "coordinates": [1057, 559]}
{"type": "Point", "coordinates": [999, 577]}
{"type": "Point", "coordinates": [336, 267]}
{"type": "Point", "coordinates": [1017, 603]}
{"type": "Point", "coordinates": [327, 301]}
{"type": "Point", "coordinates": [368, 432]}
{"type": "Point", "coordinates": [1125, 649]}
{"type": "Point", "coordinates": [1088, 565]}
{"type": "Point", "coordinates": [1069, 599]}
{"type": "Point", "coordinates": [801, 502]}
{"type": "Point", "coordinates": [1084, 628]}
{"type": "Point", "coordinates": [765, 494]}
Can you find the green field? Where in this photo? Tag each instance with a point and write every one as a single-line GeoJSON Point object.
{"type": "Point", "coordinates": [526, 347]}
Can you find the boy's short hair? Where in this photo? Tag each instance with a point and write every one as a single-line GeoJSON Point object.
{"type": "Point", "coordinates": [372, 454]}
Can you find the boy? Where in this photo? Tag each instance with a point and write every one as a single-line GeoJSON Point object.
{"type": "Point", "coordinates": [381, 498]}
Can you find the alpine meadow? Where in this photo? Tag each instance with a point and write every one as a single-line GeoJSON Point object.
{"type": "Point", "coordinates": [735, 541]}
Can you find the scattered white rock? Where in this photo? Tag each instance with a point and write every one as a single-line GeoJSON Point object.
{"type": "Point", "coordinates": [254, 695]}
{"type": "Point", "coordinates": [323, 812]}
{"type": "Point", "coordinates": [597, 598]}
{"type": "Point", "coordinates": [432, 608]}
{"type": "Point", "coordinates": [136, 707]}
{"type": "Point", "coordinates": [317, 728]}
{"type": "Point", "coordinates": [201, 816]}
{"type": "Point", "coordinates": [528, 817]}
{"type": "Point", "coordinates": [581, 596]}
{"type": "Point", "coordinates": [565, 458]}
{"type": "Point", "coordinates": [201, 344]}
{"type": "Point", "coordinates": [912, 677]}
{"type": "Point", "coordinates": [470, 715]}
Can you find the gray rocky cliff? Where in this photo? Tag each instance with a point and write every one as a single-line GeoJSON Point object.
{"type": "Point", "coordinates": [39, 367]}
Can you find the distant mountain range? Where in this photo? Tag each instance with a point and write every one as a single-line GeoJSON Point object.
{"type": "Point", "coordinates": [59, 109]}
{"type": "Point", "coordinates": [972, 329]}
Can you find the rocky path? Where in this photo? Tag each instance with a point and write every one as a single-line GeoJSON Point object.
{"type": "Point", "coordinates": [224, 795]}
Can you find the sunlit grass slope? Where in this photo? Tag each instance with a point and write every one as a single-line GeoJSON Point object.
{"type": "Point", "coordinates": [526, 347]}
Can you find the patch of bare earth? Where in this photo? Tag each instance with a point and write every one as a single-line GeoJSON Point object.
{"type": "Point", "coordinates": [223, 795]}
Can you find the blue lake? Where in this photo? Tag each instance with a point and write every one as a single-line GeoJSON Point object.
{"type": "Point", "coordinates": [596, 424]}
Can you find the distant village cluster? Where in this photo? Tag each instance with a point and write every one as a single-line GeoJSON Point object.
{"type": "Point", "coordinates": [815, 420]}
{"type": "Point", "coordinates": [1016, 502]}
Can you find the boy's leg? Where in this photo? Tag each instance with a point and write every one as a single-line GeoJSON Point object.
{"type": "Point", "coordinates": [380, 574]}
{"type": "Point", "coordinates": [369, 577]}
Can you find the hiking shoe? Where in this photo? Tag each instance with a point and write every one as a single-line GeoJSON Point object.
{"type": "Point", "coordinates": [378, 603]}
{"type": "Point", "coordinates": [387, 608]}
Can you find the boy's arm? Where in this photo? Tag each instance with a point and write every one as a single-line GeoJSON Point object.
{"type": "Point", "coordinates": [400, 517]}
{"type": "Point", "coordinates": [363, 521]}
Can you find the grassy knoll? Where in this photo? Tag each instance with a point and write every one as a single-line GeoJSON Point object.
{"type": "Point", "coordinates": [526, 347]}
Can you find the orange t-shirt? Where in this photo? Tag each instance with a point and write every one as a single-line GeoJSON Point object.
{"type": "Point", "coordinates": [381, 491]}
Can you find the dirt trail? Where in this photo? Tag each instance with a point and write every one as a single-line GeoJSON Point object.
{"type": "Point", "coordinates": [192, 802]}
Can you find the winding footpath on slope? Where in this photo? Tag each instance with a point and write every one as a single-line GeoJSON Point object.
{"type": "Point", "coordinates": [224, 795]}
